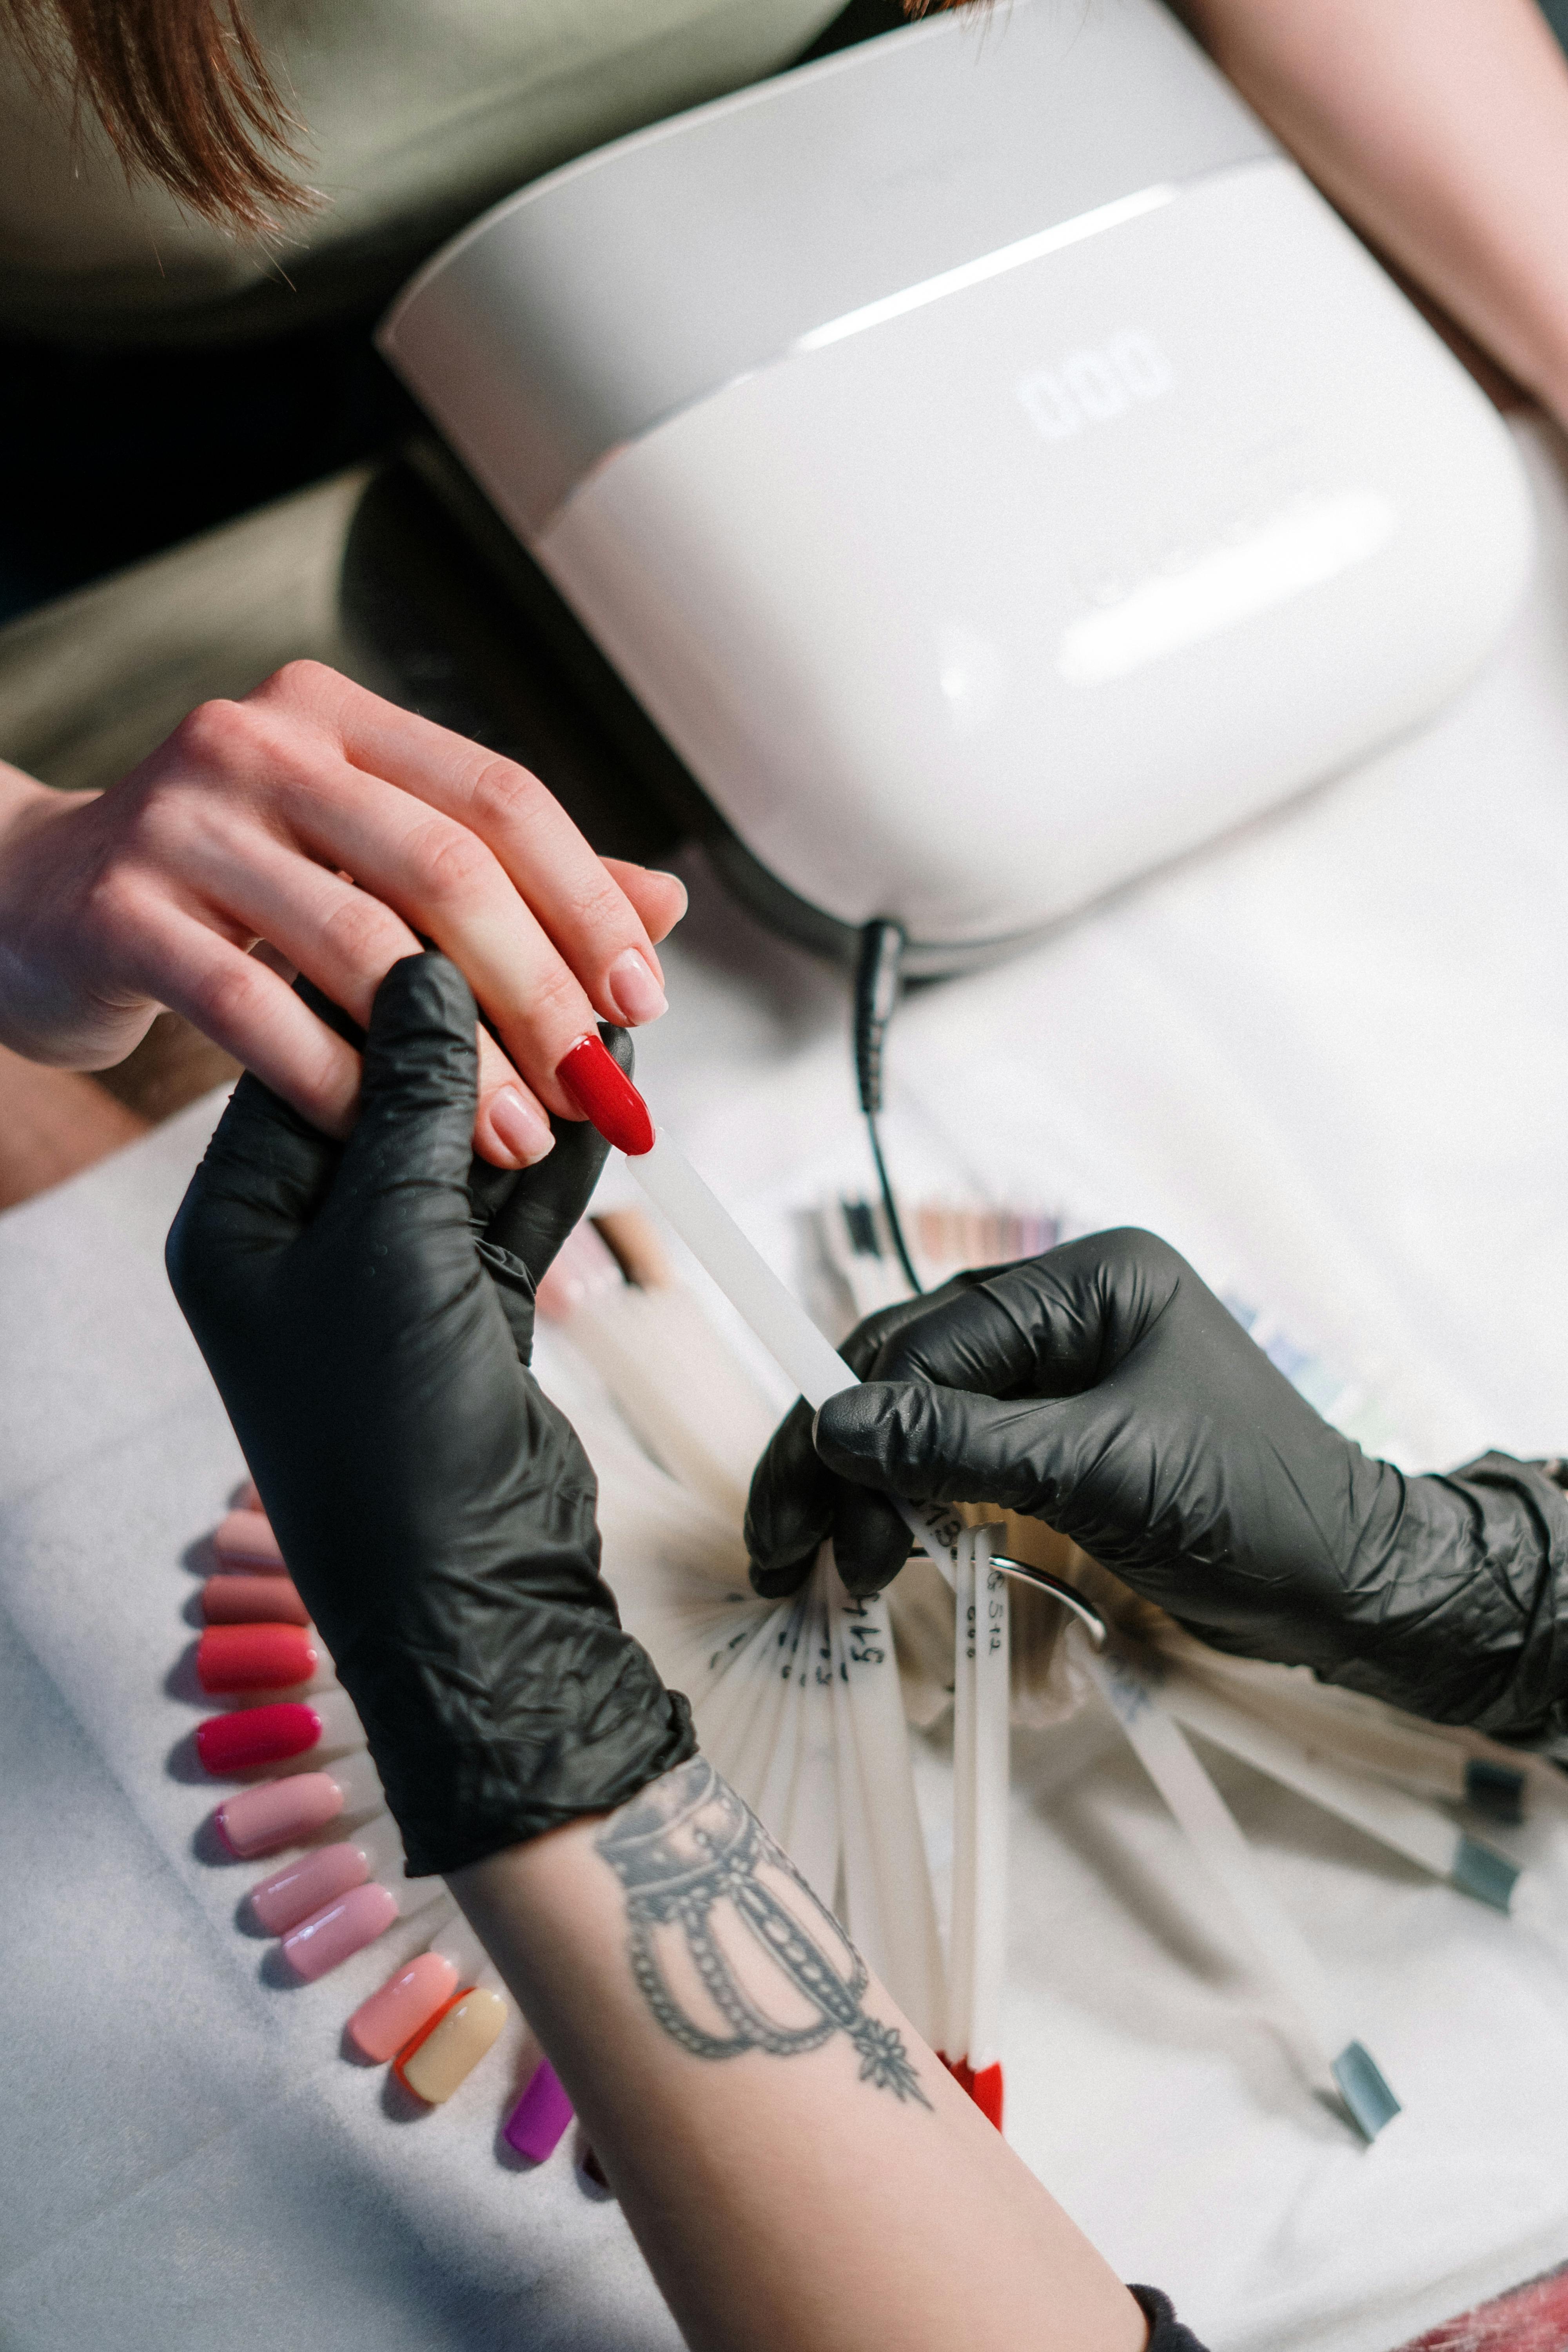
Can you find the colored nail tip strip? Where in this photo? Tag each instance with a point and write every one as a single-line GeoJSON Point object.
{"type": "Point", "coordinates": [292, 1893]}
{"type": "Point", "coordinates": [403, 2007]}
{"type": "Point", "coordinates": [535, 2126]}
{"type": "Point", "coordinates": [232, 1659]}
{"type": "Point", "coordinates": [338, 1929]}
{"type": "Point", "coordinates": [245, 1540]}
{"type": "Point", "coordinates": [278, 1812]}
{"type": "Point", "coordinates": [249, 1735]}
{"type": "Point", "coordinates": [252, 1600]}
{"type": "Point", "coordinates": [606, 1097]}
{"type": "Point", "coordinates": [445, 2051]}
{"type": "Point", "coordinates": [984, 2088]}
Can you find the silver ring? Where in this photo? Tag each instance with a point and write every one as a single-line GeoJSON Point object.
{"type": "Point", "coordinates": [1088, 1616]}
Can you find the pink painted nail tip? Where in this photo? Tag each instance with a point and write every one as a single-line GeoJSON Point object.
{"type": "Point", "coordinates": [278, 1812]}
{"type": "Point", "coordinates": [535, 2124]}
{"type": "Point", "coordinates": [392, 2016]}
{"type": "Point", "coordinates": [338, 1929]}
{"type": "Point", "coordinates": [302, 1886]}
{"type": "Point", "coordinates": [245, 1539]}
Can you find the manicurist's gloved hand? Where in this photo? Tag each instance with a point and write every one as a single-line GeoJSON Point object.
{"type": "Point", "coordinates": [366, 1311]}
{"type": "Point", "coordinates": [1103, 1388]}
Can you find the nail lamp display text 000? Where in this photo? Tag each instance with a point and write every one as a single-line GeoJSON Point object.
{"type": "Point", "coordinates": [986, 458]}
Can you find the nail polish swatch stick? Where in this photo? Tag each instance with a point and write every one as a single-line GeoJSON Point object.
{"type": "Point", "coordinates": [246, 1599]}
{"type": "Point", "coordinates": [248, 1737]}
{"type": "Point", "coordinates": [287, 1812]}
{"type": "Point", "coordinates": [257, 1656]}
{"type": "Point", "coordinates": [324, 1872]}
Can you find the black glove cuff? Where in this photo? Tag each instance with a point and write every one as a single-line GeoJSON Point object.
{"type": "Point", "coordinates": [1166, 2333]}
{"type": "Point", "coordinates": [1472, 1626]}
{"type": "Point", "coordinates": [1522, 1515]}
{"type": "Point", "coordinates": [575, 1726]}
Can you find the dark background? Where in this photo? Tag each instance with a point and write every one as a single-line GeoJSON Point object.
{"type": "Point", "coordinates": [108, 456]}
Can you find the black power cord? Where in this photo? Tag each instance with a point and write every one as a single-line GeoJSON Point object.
{"type": "Point", "coordinates": [878, 985]}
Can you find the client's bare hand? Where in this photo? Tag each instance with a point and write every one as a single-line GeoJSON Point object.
{"type": "Point", "coordinates": [245, 827]}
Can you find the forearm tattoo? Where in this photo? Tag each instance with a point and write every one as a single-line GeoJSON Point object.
{"type": "Point", "coordinates": [729, 1947]}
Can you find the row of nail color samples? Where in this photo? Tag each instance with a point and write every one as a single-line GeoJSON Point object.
{"type": "Point", "coordinates": [343, 1883]}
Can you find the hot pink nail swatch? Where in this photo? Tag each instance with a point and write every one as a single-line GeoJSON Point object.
{"type": "Point", "coordinates": [540, 2118]}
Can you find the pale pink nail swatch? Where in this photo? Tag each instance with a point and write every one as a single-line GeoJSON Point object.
{"type": "Point", "coordinates": [338, 1929]}
{"type": "Point", "coordinates": [301, 1887]}
{"type": "Point", "coordinates": [278, 1812]}
{"type": "Point", "coordinates": [245, 1539]}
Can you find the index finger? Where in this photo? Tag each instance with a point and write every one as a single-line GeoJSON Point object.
{"type": "Point", "coordinates": [573, 896]}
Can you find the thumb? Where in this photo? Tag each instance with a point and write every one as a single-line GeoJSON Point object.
{"type": "Point", "coordinates": [936, 1444]}
{"type": "Point", "coordinates": [261, 1179]}
{"type": "Point", "coordinates": [415, 1122]}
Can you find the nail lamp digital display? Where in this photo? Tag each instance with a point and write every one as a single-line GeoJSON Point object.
{"type": "Point", "coordinates": [990, 463]}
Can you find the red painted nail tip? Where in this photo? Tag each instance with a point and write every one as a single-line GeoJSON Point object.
{"type": "Point", "coordinates": [256, 1734]}
{"type": "Point", "coordinates": [985, 2090]}
{"type": "Point", "coordinates": [606, 1096]}
{"type": "Point", "coordinates": [984, 2087]}
{"type": "Point", "coordinates": [235, 1658]}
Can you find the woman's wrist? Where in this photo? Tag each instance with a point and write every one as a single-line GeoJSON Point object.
{"type": "Point", "coordinates": [48, 1010]}
{"type": "Point", "coordinates": [751, 2091]}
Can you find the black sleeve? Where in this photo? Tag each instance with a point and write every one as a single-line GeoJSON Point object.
{"type": "Point", "coordinates": [1166, 2333]}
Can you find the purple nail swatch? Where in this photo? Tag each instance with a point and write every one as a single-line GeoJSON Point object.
{"type": "Point", "coordinates": [535, 2124]}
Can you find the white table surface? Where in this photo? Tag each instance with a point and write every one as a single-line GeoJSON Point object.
{"type": "Point", "coordinates": [1327, 1059]}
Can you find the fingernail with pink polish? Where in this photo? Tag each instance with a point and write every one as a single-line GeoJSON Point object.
{"type": "Point", "coordinates": [524, 1131]}
{"type": "Point", "coordinates": [636, 995]}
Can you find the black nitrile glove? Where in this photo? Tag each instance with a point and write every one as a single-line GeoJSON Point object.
{"type": "Point", "coordinates": [1103, 1388]}
{"type": "Point", "coordinates": [366, 1311]}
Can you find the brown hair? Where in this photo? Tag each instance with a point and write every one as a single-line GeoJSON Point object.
{"type": "Point", "coordinates": [184, 92]}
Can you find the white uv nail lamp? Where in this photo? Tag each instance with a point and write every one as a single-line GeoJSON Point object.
{"type": "Point", "coordinates": [986, 458]}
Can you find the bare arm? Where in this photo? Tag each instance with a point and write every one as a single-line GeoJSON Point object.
{"type": "Point", "coordinates": [835, 2191]}
{"type": "Point", "coordinates": [1440, 128]}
